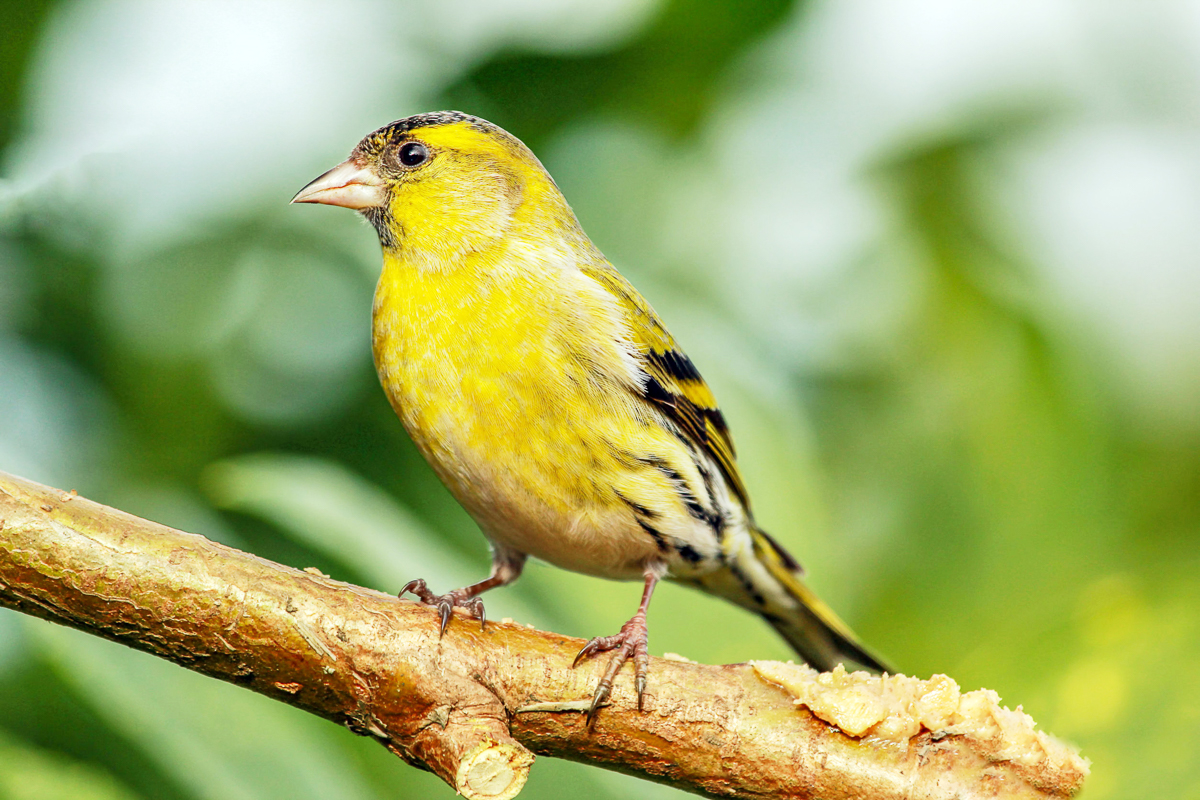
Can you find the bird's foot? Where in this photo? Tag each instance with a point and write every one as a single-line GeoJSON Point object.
{"type": "Point", "coordinates": [631, 641]}
{"type": "Point", "coordinates": [446, 603]}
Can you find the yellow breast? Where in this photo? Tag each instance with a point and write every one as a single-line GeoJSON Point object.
{"type": "Point", "coordinates": [507, 381]}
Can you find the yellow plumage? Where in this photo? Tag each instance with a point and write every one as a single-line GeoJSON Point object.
{"type": "Point", "coordinates": [547, 394]}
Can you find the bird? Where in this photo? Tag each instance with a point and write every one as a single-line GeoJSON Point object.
{"type": "Point", "coordinates": [548, 395]}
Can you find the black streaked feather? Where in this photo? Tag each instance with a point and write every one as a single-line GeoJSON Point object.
{"type": "Point", "coordinates": [640, 515]}
{"type": "Point", "coordinates": [703, 425]}
{"type": "Point", "coordinates": [676, 364]}
{"type": "Point", "coordinates": [695, 509]}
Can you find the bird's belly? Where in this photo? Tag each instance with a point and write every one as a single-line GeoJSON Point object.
{"type": "Point", "coordinates": [603, 542]}
{"type": "Point", "coordinates": [537, 482]}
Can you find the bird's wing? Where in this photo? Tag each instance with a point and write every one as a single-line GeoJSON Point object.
{"type": "Point", "coordinates": [672, 383]}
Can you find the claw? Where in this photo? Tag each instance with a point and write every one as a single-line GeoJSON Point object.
{"type": "Point", "coordinates": [631, 641]}
{"type": "Point", "coordinates": [445, 603]}
{"type": "Point", "coordinates": [589, 650]}
{"type": "Point", "coordinates": [477, 611]}
{"type": "Point", "coordinates": [641, 662]}
{"type": "Point", "coordinates": [599, 699]}
{"type": "Point", "coordinates": [416, 586]}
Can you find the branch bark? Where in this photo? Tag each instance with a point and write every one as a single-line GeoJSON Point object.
{"type": "Point", "coordinates": [475, 706]}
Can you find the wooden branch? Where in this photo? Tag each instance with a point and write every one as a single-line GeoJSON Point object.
{"type": "Point", "coordinates": [474, 706]}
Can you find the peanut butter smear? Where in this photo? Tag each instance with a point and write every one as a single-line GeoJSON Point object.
{"type": "Point", "coordinates": [898, 708]}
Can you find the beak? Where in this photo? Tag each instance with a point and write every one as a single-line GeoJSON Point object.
{"type": "Point", "coordinates": [348, 185]}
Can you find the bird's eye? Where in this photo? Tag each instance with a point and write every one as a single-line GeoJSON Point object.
{"type": "Point", "coordinates": [412, 154]}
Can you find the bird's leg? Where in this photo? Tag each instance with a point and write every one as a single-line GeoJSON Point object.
{"type": "Point", "coordinates": [631, 641]}
{"type": "Point", "coordinates": [506, 568]}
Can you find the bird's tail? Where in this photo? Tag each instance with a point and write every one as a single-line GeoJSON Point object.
{"type": "Point", "coordinates": [767, 580]}
{"type": "Point", "coordinates": [810, 627]}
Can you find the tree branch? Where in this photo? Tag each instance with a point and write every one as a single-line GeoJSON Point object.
{"type": "Point", "coordinates": [474, 706]}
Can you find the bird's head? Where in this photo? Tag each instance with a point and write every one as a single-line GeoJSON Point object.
{"type": "Point", "coordinates": [442, 185]}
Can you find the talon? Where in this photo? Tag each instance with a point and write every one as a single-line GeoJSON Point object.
{"type": "Point", "coordinates": [641, 662]}
{"type": "Point", "coordinates": [477, 611]}
{"type": "Point", "coordinates": [630, 642]}
{"type": "Point", "coordinates": [417, 587]}
{"type": "Point", "coordinates": [588, 650]}
{"type": "Point", "coordinates": [599, 699]}
{"type": "Point", "coordinates": [445, 603]}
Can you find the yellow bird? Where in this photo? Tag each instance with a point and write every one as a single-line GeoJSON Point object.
{"type": "Point", "coordinates": [547, 394]}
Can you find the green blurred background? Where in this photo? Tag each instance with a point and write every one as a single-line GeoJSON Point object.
{"type": "Point", "coordinates": [939, 260]}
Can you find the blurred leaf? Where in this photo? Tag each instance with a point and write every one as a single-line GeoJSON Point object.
{"type": "Point", "coordinates": [220, 741]}
{"type": "Point", "coordinates": [27, 773]}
